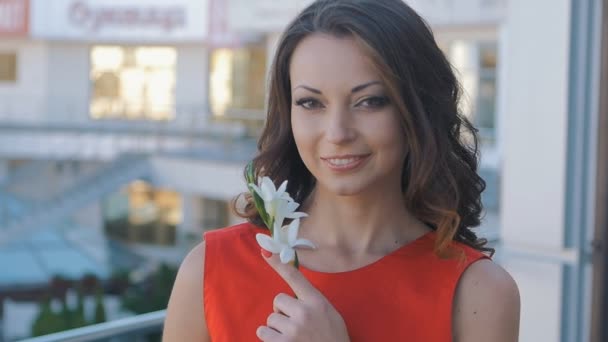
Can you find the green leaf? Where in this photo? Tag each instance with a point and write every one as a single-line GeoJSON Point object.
{"type": "Point", "coordinates": [296, 262]}
{"type": "Point", "coordinates": [257, 200]}
{"type": "Point", "coordinates": [249, 174]}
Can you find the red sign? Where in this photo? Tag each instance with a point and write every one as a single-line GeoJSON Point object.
{"type": "Point", "coordinates": [14, 17]}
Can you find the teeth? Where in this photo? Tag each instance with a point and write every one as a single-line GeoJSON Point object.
{"type": "Point", "coordinates": [340, 162]}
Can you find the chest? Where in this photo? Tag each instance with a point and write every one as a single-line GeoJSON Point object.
{"type": "Point", "coordinates": [374, 308]}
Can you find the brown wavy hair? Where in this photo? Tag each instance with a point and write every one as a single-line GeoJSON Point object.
{"type": "Point", "coordinates": [440, 183]}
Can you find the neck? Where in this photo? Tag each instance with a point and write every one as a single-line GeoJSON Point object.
{"type": "Point", "coordinates": [374, 222]}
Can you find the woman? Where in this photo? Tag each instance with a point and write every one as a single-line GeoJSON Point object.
{"type": "Point", "coordinates": [363, 122]}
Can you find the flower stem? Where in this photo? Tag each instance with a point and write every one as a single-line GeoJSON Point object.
{"type": "Point", "coordinates": [296, 264]}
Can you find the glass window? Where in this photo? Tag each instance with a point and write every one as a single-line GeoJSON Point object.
{"type": "Point", "coordinates": [475, 63]}
{"type": "Point", "coordinates": [8, 67]}
{"type": "Point", "coordinates": [237, 80]}
{"type": "Point", "coordinates": [214, 213]}
{"type": "Point", "coordinates": [133, 82]}
{"type": "Point", "coordinates": [143, 214]}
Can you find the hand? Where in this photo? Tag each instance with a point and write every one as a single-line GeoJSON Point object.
{"type": "Point", "coordinates": [309, 317]}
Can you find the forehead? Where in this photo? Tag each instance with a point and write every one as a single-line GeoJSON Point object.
{"type": "Point", "coordinates": [324, 60]}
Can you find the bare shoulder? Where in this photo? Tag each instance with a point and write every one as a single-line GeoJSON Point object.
{"type": "Point", "coordinates": [486, 304]}
{"type": "Point", "coordinates": [185, 319]}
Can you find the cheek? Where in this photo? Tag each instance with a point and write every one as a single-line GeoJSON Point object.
{"type": "Point", "coordinates": [304, 136]}
{"type": "Point", "coordinates": [385, 131]}
{"type": "Point", "coordinates": [387, 137]}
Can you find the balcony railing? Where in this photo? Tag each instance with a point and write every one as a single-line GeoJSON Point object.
{"type": "Point", "coordinates": [132, 329]}
{"type": "Point", "coordinates": [193, 120]}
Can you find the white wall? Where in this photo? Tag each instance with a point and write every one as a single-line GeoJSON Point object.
{"type": "Point", "coordinates": [206, 178]}
{"type": "Point", "coordinates": [534, 126]}
{"type": "Point", "coordinates": [191, 89]}
{"type": "Point", "coordinates": [272, 16]}
{"type": "Point", "coordinates": [23, 99]}
{"type": "Point", "coordinates": [191, 216]}
{"type": "Point", "coordinates": [68, 82]}
{"type": "Point", "coordinates": [533, 191]}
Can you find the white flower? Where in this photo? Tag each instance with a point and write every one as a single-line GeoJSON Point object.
{"type": "Point", "coordinates": [286, 209]}
{"type": "Point", "coordinates": [284, 241]}
{"type": "Point", "coordinates": [277, 202]}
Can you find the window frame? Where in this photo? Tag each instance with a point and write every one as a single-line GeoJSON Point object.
{"type": "Point", "coordinates": [15, 67]}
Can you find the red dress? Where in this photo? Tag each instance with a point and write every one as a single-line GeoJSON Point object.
{"type": "Point", "coordinates": [407, 295]}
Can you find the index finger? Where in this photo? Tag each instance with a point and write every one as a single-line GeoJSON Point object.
{"type": "Point", "coordinates": [294, 278]}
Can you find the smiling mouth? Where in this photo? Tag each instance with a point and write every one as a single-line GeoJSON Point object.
{"type": "Point", "coordinates": [343, 163]}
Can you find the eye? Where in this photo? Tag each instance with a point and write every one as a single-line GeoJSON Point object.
{"type": "Point", "coordinates": [309, 103]}
{"type": "Point", "coordinates": [374, 102]}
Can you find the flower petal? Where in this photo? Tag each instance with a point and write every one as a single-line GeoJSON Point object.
{"type": "Point", "coordinates": [287, 255]}
{"type": "Point", "coordinates": [292, 231]}
{"type": "Point", "coordinates": [268, 189]}
{"type": "Point", "coordinates": [279, 234]}
{"type": "Point", "coordinates": [282, 188]}
{"type": "Point", "coordinates": [292, 206]}
{"type": "Point", "coordinates": [303, 242]}
{"type": "Point", "coordinates": [270, 207]}
{"type": "Point", "coordinates": [280, 211]}
{"type": "Point", "coordinates": [268, 243]}
{"type": "Point", "coordinates": [296, 215]}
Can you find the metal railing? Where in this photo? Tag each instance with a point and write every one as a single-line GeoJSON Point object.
{"type": "Point", "coordinates": [131, 329]}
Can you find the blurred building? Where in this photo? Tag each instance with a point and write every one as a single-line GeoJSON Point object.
{"type": "Point", "coordinates": [110, 155]}
{"type": "Point", "coordinates": [124, 128]}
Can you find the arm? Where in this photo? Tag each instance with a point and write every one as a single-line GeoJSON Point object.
{"type": "Point", "coordinates": [185, 319]}
{"type": "Point", "coordinates": [486, 305]}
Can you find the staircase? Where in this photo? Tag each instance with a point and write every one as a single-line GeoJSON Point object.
{"type": "Point", "coordinates": [81, 193]}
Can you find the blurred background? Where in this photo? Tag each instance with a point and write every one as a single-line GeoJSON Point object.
{"type": "Point", "coordinates": [125, 126]}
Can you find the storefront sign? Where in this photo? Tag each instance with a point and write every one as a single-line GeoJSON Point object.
{"type": "Point", "coordinates": [82, 14]}
{"type": "Point", "coordinates": [14, 16]}
{"type": "Point", "coordinates": [116, 20]}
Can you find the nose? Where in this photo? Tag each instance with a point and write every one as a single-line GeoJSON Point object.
{"type": "Point", "coordinates": [339, 127]}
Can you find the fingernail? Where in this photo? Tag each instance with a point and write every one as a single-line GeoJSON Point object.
{"type": "Point", "coordinates": [265, 253]}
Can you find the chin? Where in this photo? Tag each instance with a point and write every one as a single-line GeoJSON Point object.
{"type": "Point", "coordinates": [345, 188]}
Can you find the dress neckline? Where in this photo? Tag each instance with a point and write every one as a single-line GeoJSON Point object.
{"type": "Point", "coordinates": [408, 247]}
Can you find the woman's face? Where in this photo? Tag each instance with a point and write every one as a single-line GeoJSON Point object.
{"type": "Point", "coordinates": [346, 129]}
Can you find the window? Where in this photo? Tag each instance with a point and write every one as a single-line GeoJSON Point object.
{"type": "Point", "coordinates": [475, 63]}
{"type": "Point", "coordinates": [8, 67]}
{"type": "Point", "coordinates": [214, 213]}
{"type": "Point", "coordinates": [133, 82]}
{"type": "Point", "coordinates": [143, 214]}
{"type": "Point", "coordinates": [237, 81]}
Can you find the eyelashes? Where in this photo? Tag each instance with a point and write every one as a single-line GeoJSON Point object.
{"type": "Point", "coordinates": [309, 103]}
{"type": "Point", "coordinates": [375, 101]}
{"type": "Point", "coordinates": [370, 103]}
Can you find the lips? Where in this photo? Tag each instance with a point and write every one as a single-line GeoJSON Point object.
{"type": "Point", "coordinates": [345, 162]}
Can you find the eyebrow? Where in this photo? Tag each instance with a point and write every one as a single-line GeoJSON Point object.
{"type": "Point", "coordinates": [354, 90]}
